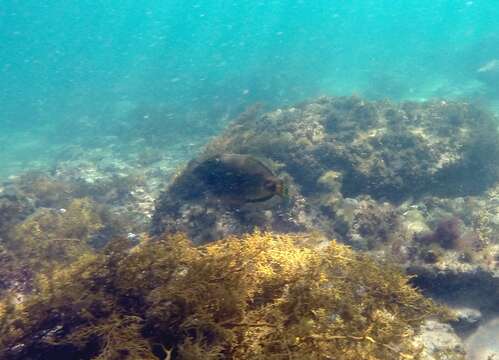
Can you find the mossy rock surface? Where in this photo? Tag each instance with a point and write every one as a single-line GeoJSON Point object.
{"type": "Point", "coordinates": [385, 150]}
{"type": "Point", "coordinates": [342, 147]}
{"type": "Point", "coordinates": [14, 208]}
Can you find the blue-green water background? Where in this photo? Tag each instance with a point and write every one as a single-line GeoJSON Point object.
{"type": "Point", "coordinates": [91, 72]}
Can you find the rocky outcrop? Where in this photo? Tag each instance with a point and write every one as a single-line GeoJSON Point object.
{"type": "Point", "coordinates": [339, 154]}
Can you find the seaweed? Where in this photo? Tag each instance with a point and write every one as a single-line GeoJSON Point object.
{"type": "Point", "coordinates": [446, 234]}
{"type": "Point", "coordinates": [45, 190]}
{"type": "Point", "coordinates": [336, 148]}
{"type": "Point", "coordinates": [383, 149]}
{"type": "Point", "coordinates": [14, 208]}
{"type": "Point", "coordinates": [257, 296]}
{"type": "Point", "coordinates": [49, 236]}
{"type": "Point", "coordinates": [10, 272]}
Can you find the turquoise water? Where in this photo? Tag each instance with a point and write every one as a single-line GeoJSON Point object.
{"type": "Point", "coordinates": [82, 72]}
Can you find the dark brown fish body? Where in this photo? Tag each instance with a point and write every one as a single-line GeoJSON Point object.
{"type": "Point", "coordinates": [238, 178]}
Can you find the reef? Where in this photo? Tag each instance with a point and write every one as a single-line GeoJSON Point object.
{"type": "Point", "coordinates": [414, 183]}
{"type": "Point", "coordinates": [333, 149]}
{"type": "Point", "coordinates": [48, 220]}
{"type": "Point", "coordinates": [259, 296]}
{"type": "Point", "coordinates": [384, 150]}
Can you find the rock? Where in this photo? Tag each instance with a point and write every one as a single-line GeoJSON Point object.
{"type": "Point", "coordinates": [461, 284]}
{"type": "Point", "coordinates": [382, 149]}
{"type": "Point", "coordinates": [357, 171]}
{"type": "Point", "coordinates": [439, 342]}
{"type": "Point", "coordinates": [467, 319]}
{"type": "Point", "coordinates": [415, 222]}
{"type": "Point", "coordinates": [483, 344]}
{"type": "Point", "coordinates": [334, 149]}
{"type": "Point", "coordinates": [372, 225]}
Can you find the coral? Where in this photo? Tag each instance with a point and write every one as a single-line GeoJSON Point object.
{"type": "Point", "coordinates": [259, 296]}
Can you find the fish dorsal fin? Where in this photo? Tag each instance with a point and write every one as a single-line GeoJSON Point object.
{"type": "Point", "coordinates": [263, 162]}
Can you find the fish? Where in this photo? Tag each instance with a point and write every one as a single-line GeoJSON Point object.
{"type": "Point", "coordinates": [238, 178]}
{"type": "Point", "coordinates": [489, 73]}
{"type": "Point", "coordinates": [491, 66]}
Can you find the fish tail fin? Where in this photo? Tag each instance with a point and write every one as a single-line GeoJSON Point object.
{"type": "Point", "coordinates": [282, 189]}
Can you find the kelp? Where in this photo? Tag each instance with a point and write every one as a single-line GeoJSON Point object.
{"type": "Point", "coordinates": [257, 296]}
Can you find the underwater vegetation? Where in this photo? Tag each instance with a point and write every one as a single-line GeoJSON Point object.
{"type": "Point", "coordinates": [446, 234]}
{"type": "Point", "coordinates": [14, 207]}
{"type": "Point", "coordinates": [43, 189]}
{"type": "Point", "coordinates": [337, 148]}
{"type": "Point", "coordinates": [72, 286]}
{"type": "Point", "coordinates": [51, 191]}
{"type": "Point", "coordinates": [416, 183]}
{"type": "Point", "coordinates": [46, 234]}
{"type": "Point", "coordinates": [383, 149]}
{"type": "Point", "coordinates": [48, 238]}
{"type": "Point", "coordinates": [47, 221]}
{"type": "Point", "coordinates": [259, 296]}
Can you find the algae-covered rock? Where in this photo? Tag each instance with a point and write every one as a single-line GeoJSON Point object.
{"type": "Point", "coordinates": [14, 208]}
{"type": "Point", "coordinates": [193, 206]}
{"type": "Point", "coordinates": [334, 149]}
{"type": "Point", "coordinates": [456, 258]}
{"type": "Point", "coordinates": [382, 149]}
{"type": "Point", "coordinates": [439, 342]}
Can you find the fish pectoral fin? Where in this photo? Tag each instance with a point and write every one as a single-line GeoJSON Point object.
{"type": "Point", "coordinates": [265, 198]}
